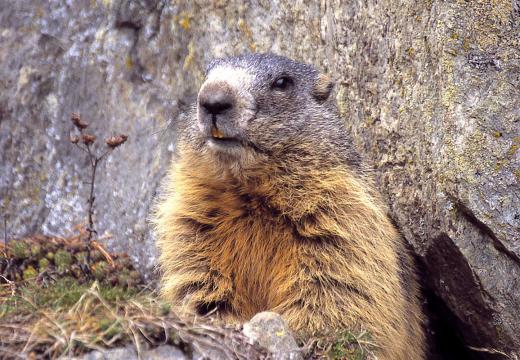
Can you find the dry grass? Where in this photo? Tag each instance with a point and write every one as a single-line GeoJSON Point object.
{"type": "Point", "coordinates": [54, 302]}
{"type": "Point", "coordinates": [95, 321]}
{"type": "Point", "coordinates": [74, 319]}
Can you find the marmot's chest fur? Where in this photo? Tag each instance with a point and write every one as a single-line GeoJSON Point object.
{"type": "Point", "coordinates": [270, 208]}
{"type": "Point", "coordinates": [248, 242]}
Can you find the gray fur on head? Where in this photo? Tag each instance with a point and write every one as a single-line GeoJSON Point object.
{"type": "Point", "coordinates": [263, 107]}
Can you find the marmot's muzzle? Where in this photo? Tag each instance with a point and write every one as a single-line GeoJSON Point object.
{"type": "Point", "coordinates": [216, 103]}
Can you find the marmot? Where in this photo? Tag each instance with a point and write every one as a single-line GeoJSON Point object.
{"type": "Point", "coordinates": [269, 207]}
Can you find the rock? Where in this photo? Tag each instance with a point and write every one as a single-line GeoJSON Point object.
{"type": "Point", "coordinates": [430, 91]}
{"type": "Point", "coordinates": [270, 331]}
{"type": "Point", "coordinates": [433, 100]}
{"type": "Point", "coordinates": [164, 352]}
{"type": "Point", "coordinates": [124, 353]}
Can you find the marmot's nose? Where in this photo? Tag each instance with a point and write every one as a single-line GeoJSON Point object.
{"type": "Point", "coordinates": [216, 101]}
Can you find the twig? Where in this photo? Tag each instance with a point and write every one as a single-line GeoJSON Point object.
{"type": "Point", "coordinates": [5, 235]}
{"type": "Point", "coordinates": [489, 351]}
{"type": "Point", "coordinates": [81, 148]}
{"type": "Point", "coordinates": [103, 252]}
{"type": "Point", "coordinates": [94, 160]}
{"type": "Point", "coordinates": [10, 283]}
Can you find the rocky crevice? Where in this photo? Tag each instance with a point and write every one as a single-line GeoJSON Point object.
{"type": "Point", "coordinates": [486, 231]}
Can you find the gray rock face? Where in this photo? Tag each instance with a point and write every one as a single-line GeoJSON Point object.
{"type": "Point", "coordinates": [430, 91]}
{"type": "Point", "coordinates": [80, 57]}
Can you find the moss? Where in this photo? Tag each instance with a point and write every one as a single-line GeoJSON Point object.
{"type": "Point", "coordinates": [346, 347]}
{"type": "Point", "coordinates": [64, 292]}
{"type": "Point", "coordinates": [20, 249]}
{"type": "Point", "coordinates": [117, 293]}
{"type": "Point", "coordinates": [100, 270]}
{"type": "Point", "coordinates": [43, 263]}
{"type": "Point", "coordinates": [36, 249]}
{"type": "Point", "coordinates": [62, 260]}
{"type": "Point", "coordinates": [32, 297]}
{"type": "Point", "coordinates": [30, 273]}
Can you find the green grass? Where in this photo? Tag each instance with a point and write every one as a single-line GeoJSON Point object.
{"type": "Point", "coordinates": [60, 294]}
{"type": "Point", "coordinates": [349, 346]}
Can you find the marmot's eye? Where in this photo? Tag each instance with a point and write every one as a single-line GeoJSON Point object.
{"type": "Point", "coordinates": [282, 83]}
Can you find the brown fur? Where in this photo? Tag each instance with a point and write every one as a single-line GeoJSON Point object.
{"type": "Point", "coordinates": [336, 267]}
{"type": "Point", "coordinates": [301, 233]}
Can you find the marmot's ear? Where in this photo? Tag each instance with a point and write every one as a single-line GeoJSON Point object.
{"type": "Point", "coordinates": [322, 87]}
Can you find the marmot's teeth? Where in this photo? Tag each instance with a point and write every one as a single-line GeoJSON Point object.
{"type": "Point", "coordinates": [216, 133]}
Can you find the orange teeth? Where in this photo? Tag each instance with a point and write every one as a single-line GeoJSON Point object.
{"type": "Point", "coordinates": [216, 133]}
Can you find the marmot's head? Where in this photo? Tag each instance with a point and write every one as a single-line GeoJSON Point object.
{"type": "Point", "coordinates": [263, 107]}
